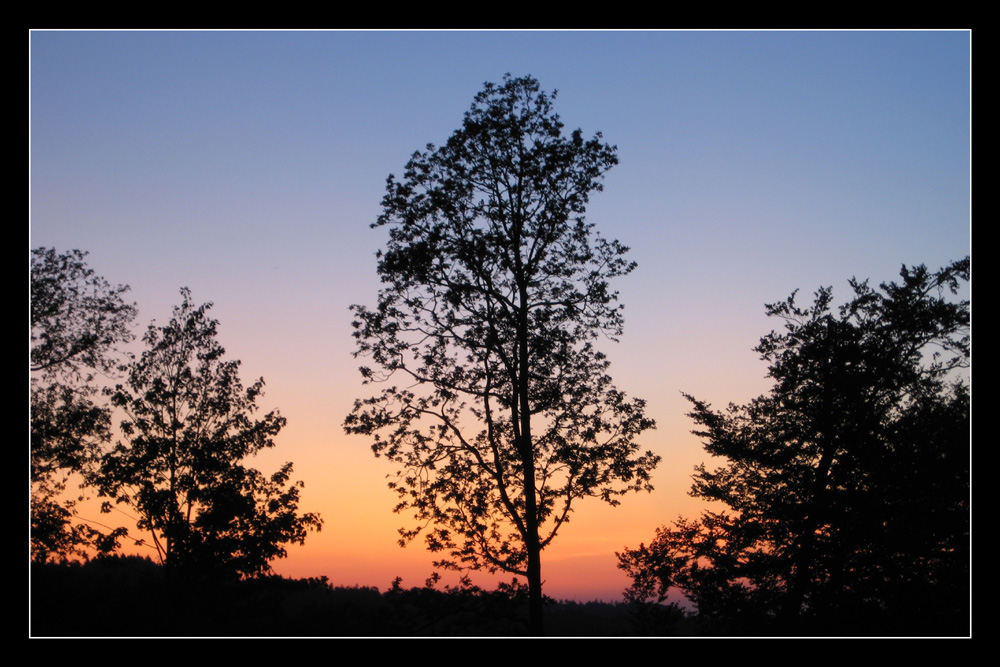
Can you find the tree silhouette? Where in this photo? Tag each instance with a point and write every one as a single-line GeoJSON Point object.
{"type": "Point", "coordinates": [77, 321]}
{"type": "Point", "coordinates": [502, 413]}
{"type": "Point", "coordinates": [847, 486]}
{"type": "Point", "coordinates": [189, 426]}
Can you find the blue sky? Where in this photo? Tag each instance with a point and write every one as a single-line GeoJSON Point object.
{"type": "Point", "coordinates": [248, 166]}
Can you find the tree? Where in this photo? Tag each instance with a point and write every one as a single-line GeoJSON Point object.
{"type": "Point", "coordinates": [846, 488]}
{"type": "Point", "coordinates": [496, 289]}
{"type": "Point", "coordinates": [189, 425]}
{"type": "Point", "coordinates": [78, 320]}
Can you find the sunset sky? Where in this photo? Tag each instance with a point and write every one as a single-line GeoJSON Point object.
{"type": "Point", "coordinates": [248, 166]}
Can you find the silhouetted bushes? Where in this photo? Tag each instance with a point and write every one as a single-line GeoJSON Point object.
{"type": "Point", "coordinates": [129, 597]}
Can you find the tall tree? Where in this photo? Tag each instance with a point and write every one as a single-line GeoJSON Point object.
{"type": "Point", "coordinates": [78, 320]}
{"type": "Point", "coordinates": [496, 289]}
{"type": "Point", "coordinates": [189, 425]}
{"type": "Point", "coordinates": [846, 488]}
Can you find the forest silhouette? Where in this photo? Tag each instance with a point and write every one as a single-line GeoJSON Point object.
{"type": "Point", "coordinates": [846, 487]}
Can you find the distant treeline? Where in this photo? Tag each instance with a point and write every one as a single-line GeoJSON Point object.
{"type": "Point", "coordinates": [127, 596]}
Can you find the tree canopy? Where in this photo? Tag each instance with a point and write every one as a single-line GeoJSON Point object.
{"type": "Point", "coordinates": [78, 322]}
{"type": "Point", "coordinates": [77, 317]}
{"type": "Point", "coordinates": [189, 426]}
{"type": "Point", "coordinates": [497, 406]}
{"type": "Point", "coordinates": [844, 492]}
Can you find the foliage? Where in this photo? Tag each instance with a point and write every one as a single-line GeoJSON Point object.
{"type": "Point", "coordinates": [77, 322]}
{"type": "Point", "coordinates": [495, 290]}
{"type": "Point", "coordinates": [189, 425]}
{"type": "Point", "coordinates": [846, 488]}
{"type": "Point", "coordinates": [77, 317]}
{"type": "Point", "coordinates": [86, 600]}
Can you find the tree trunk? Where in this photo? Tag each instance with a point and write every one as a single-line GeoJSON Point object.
{"type": "Point", "coordinates": [526, 450]}
{"type": "Point", "coordinates": [536, 625]}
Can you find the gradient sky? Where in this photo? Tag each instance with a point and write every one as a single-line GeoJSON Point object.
{"type": "Point", "coordinates": [249, 165]}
